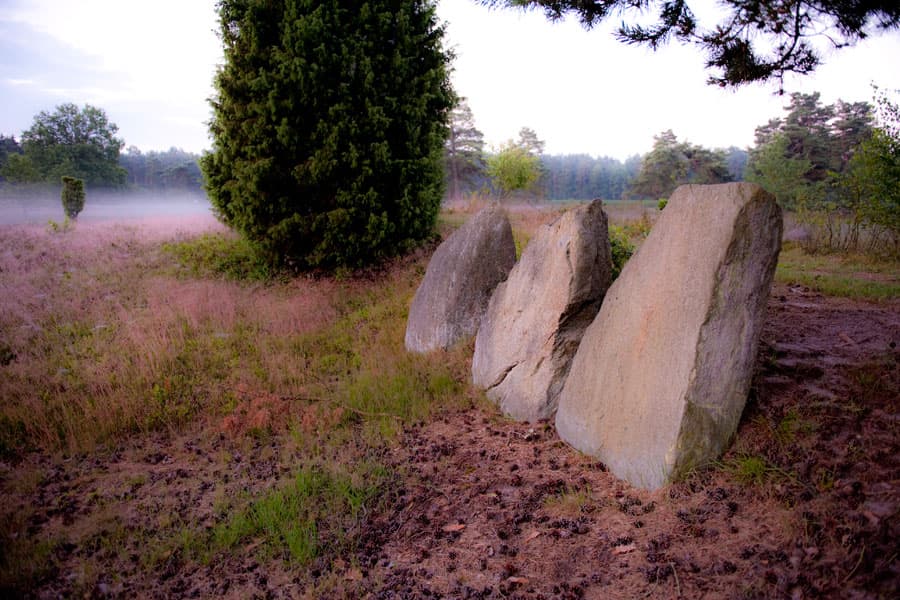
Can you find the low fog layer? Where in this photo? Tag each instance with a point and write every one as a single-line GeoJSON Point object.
{"type": "Point", "coordinates": [102, 206]}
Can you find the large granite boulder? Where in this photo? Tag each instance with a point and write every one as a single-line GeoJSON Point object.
{"type": "Point", "coordinates": [660, 379]}
{"type": "Point", "coordinates": [536, 318]}
{"type": "Point", "coordinates": [462, 274]}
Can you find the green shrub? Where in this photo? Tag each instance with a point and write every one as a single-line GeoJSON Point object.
{"type": "Point", "coordinates": [72, 196]}
{"type": "Point", "coordinates": [328, 128]}
{"type": "Point", "coordinates": [621, 248]}
{"type": "Point", "coordinates": [214, 254]}
{"type": "Point", "coordinates": [662, 203]}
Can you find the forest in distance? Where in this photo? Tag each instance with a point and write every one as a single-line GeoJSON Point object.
{"type": "Point", "coordinates": [817, 159]}
{"type": "Point", "coordinates": [564, 176]}
{"type": "Point", "coordinates": [823, 134]}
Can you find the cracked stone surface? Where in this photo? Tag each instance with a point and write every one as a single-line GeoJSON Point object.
{"type": "Point", "coordinates": [536, 318]}
{"type": "Point", "coordinates": [659, 382]}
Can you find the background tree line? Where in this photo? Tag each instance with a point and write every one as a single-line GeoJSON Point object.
{"type": "Point", "coordinates": [521, 167]}
{"type": "Point", "coordinates": [173, 169]}
{"type": "Point", "coordinates": [838, 167]}
{"type": "Point", "coordinates": [81, 142]}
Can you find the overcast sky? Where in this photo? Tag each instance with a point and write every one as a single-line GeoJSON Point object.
{"type": "Point", "coordinates": [150, 66]}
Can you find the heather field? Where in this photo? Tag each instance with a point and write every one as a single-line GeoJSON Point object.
{"type": "Point", "coordinates": [177, 420]}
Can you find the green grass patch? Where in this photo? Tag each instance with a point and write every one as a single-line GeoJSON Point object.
{"type": "Point", "coordinates": [790, 425]}
{"type": "Point", "coordinates": [573, 500]}
{"type": "Point", "coordinates": [754, 470]}
{"type": "Point", "coordinates": [220, 255]}
{"type": "Point", "coordinates": [25, 561]}
{"type": "Point", "coordinates": [847, 276]}
{"type": "Point", "coordinates": [319, 511]}
{"type": "Point", "coordinates": [360, 364]}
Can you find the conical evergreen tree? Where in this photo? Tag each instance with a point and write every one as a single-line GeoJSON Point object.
{"type": "Point", "coordinates": [328, 127]}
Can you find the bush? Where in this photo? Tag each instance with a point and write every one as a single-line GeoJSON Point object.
{"type": "Point", "coordinates": [871, 188]}
{"type": "Point", "coordinates": [214, 254]}
{"type": "Point", "coordinates": [328, 128]}
{"type": "Point", "coordinates": [72, 196]}
{"type": "Point", "coordinates": [513, 169]}
{"type": "Point", "coordinates": [621, 248]}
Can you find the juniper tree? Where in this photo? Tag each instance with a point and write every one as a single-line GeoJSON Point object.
{"type": "Point", "coordinates": [328, 127]}
{"type": "Point", "coordinates": [72, 196]}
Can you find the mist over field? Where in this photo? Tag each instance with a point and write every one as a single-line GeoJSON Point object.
{"type": "Point", "coordinates": [40, 207]}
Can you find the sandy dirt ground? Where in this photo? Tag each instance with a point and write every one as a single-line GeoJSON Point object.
{"type": "Point", "coordinates": [804, 504]}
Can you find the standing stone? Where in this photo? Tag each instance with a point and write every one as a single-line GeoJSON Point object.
{"type": "Point", "coordinates": [462, 274]}
{"type": "Point", "coordinates": [660, 379]}
{"type": "Point", "coordinates": [536, 318]}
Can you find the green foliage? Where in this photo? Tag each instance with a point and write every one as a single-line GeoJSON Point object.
{"type": "Point", "coordinates": [173, 169]}
{"type": "Point", "coordinates": [25, 560]}
{"type": "Point", "coordinates": [750, 470]}
{"type": "Point", "coordinates": [8, 146]}
{"type": "Point", "coordinates": [72, 196]}
{"type": "Point", "coordinates": [840, 175]}
{"type": "Point", "coordinates": [872, 186]}
{"type": "Point", "coordinates": [19, 168]}
{"type": "Point", "coordinates": [514, 169]}
{"type": "Point", "coordinates": [71, 142]}
{"type": "Point", "coordinates": [329, 127]}
{"type": "Point", "coordinates": [621, 248]}
{"type": "Point", "coordinates": [783, 176]}
{"type": "Point", "coordinates": [756, 40]}
{"type": "Point", "coordinates": [822, 137]}
{"type": "Point", "coordinates": [317, 511]}
{"type": "Point", "coordinates": [672, 163]}
{"type": "Point", "coordinates": [662, 203]}
{"type": "Point", "coordinates": [13, 437]}
{"type": "Point", "coordinates": [571, 500]}
{"type": "Point", "coordinates": [54, 227]}
{"type": "Point", "coordinates": [214, 254]}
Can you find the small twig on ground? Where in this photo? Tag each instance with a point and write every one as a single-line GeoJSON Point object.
{"type": "Point", "coordinates": [856, 566]}
{"type": "Point", "coordinates": [677, 583]}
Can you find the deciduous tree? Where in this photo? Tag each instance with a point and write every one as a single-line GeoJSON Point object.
{"type": "Point", "coordinates": [74, 142]}
{"type": "Point", "coordinates": [514, 169]}
{"type": "Point", "coordinates": [871, 183]}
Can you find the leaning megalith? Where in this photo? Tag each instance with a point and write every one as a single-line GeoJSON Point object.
{"type": "Point", "coordinates": [660, 379]}
{"type": "Point", "coordinates": [459, 280]}
{"type": "Point", "coordinates": [536, 317]}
